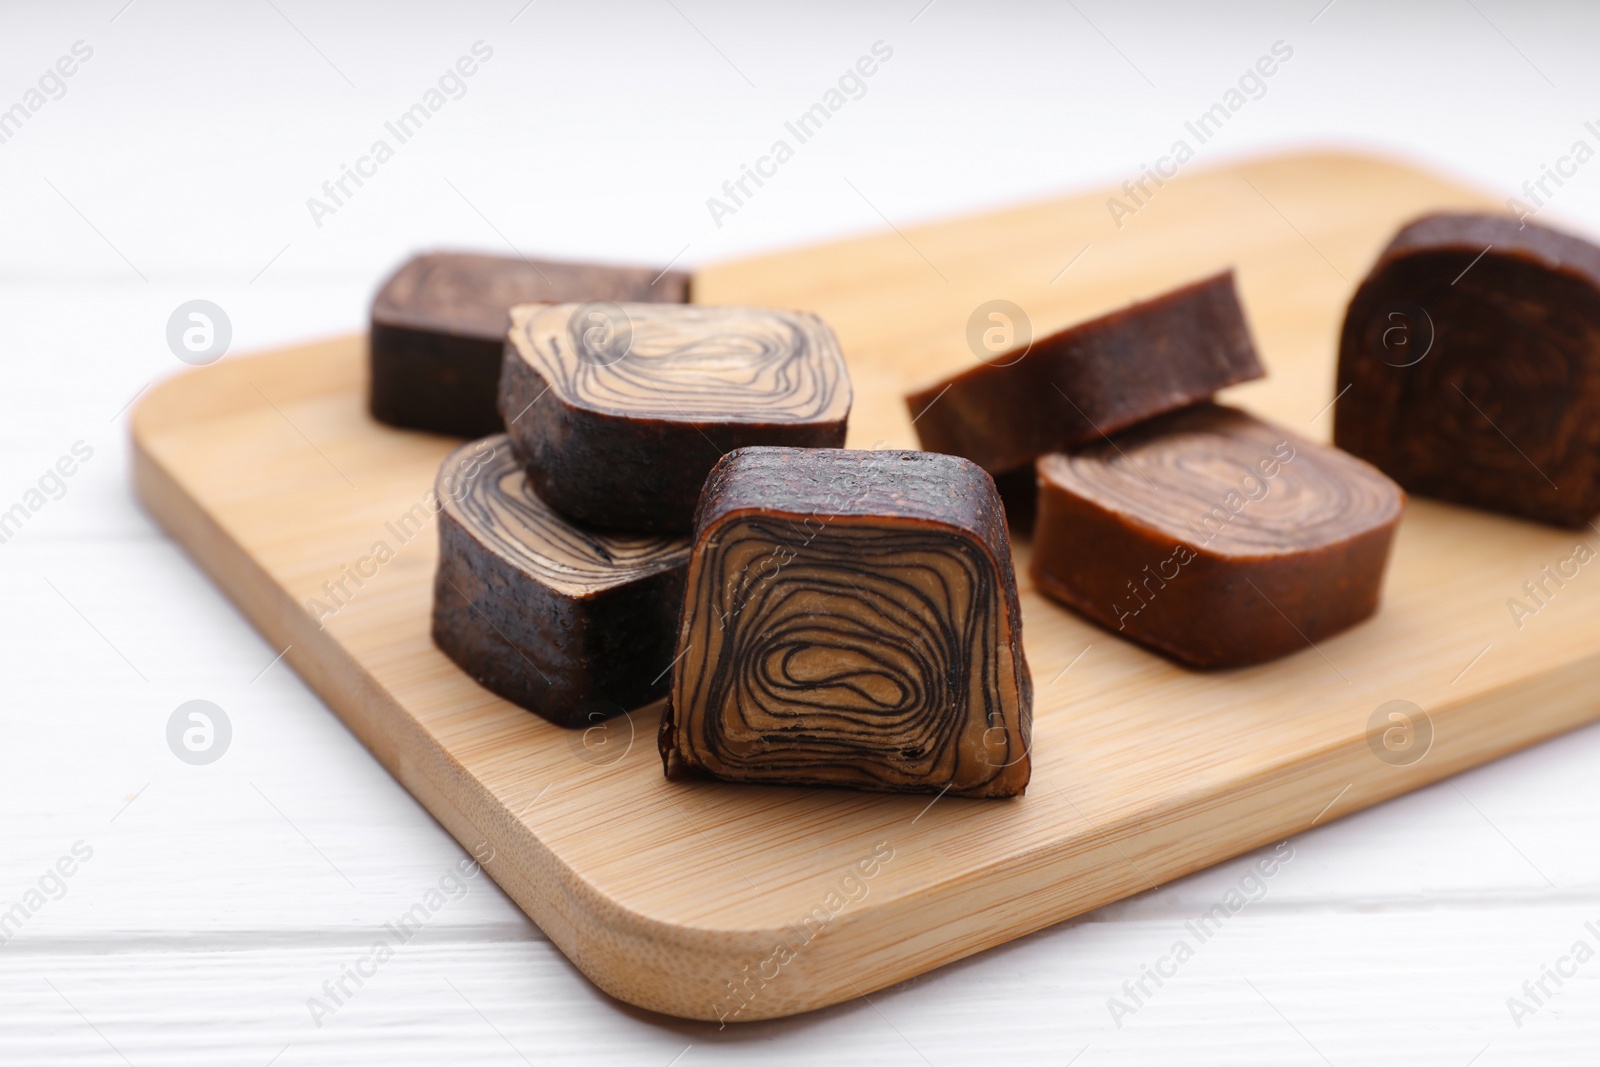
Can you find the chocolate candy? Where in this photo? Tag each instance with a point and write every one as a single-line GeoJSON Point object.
{"type": "Point", "coordinates": [851, 619]}
{"type": "Point", "coordinates": [439, 327]}
{"type": "Point", "coordinates": [621, 410]}
{"type": "Point", "coordinates": [570, 623]}
{"type": "Point", "coordinates": [1469, 367]}
{"type": "Point", "coordinates": [1092, 379]}
{"type": "Point", "coordinates": [1213, 537]}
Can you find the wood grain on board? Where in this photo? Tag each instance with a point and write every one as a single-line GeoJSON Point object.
{"type": "Point", "coordinates": [694, 898]}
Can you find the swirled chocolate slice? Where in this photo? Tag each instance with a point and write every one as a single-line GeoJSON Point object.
{"type": "Point", "coordinates": [851, 620]}
{"type": "Point", "coordinates": [566, 622]}
{"type": "Point", "coordinates": [1469, 367]}
{"type": "Point", "coordinates": [439, 327]}
{"type": "Point", "coordinates": [1095, 378]}
{"type": "Point", "coordinates": [1213, 537]}
{"type": "Point", "coordinates": [621, 410]}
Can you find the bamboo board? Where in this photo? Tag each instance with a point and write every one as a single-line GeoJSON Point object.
{"type": "Point", "coordinates": [712, 901]}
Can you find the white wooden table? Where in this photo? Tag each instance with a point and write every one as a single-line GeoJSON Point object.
{"type": "Point", "coordinates": [208, 904]}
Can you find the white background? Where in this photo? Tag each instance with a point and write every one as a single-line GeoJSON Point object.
{"type": "Point", "coordinates": [178, 164]}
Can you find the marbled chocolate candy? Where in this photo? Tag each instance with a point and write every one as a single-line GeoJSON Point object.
{"type": "Point", "coordinates": [621, 410]}
{"type": "Point", "coordinates": [567, 622]}
{"type": "Point", "coordinates": [851, 619]}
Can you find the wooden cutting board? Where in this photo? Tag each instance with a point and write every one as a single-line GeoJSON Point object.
{"type": "Point", "coordinates": [708, 901]}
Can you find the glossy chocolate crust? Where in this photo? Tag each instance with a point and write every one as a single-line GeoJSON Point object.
{"type": "Point", "coordinates": [851, 619]}
{"type": "Point", "coordinates": [569, 623]}
{"type": "Point", "coordinates": [1470, 367]}
{"type": "Point", "coordinates": [439, 327]}
{"type": "Point", "coordinates": [624, 439]}
{"type": "Point", "coordinates": [1091, 379]}
{"type": "Point", "coordinates": [1213, 537]}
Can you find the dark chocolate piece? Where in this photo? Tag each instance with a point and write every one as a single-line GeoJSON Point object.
{"type": "Point", "coordinates": [1096, 378]}
{"type": "Point", "coordinates": [1213, 537]}
{"type": "Point", "coordinates": [1469, 367]}
{"type": "Point", "coordinates": [851, 620]}
{"type": "Point", "coordinates": [566, 622]}
{"type": "Point", "coordinates": [1019, 494]}
{"type": "Point", "coordinates": [439, 328]}
{"type": "Point", "coordinates": [621, 410]}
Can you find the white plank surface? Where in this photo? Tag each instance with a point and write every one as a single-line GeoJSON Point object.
{"type": "Point", "coordinates": [218, 899]}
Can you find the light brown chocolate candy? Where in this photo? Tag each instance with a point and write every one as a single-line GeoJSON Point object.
{"type": "Point", "coordinates": [1213, 537]}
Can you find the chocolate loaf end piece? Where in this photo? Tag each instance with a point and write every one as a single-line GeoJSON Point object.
{"type": "Point", "coordinates": [1469, 367]}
